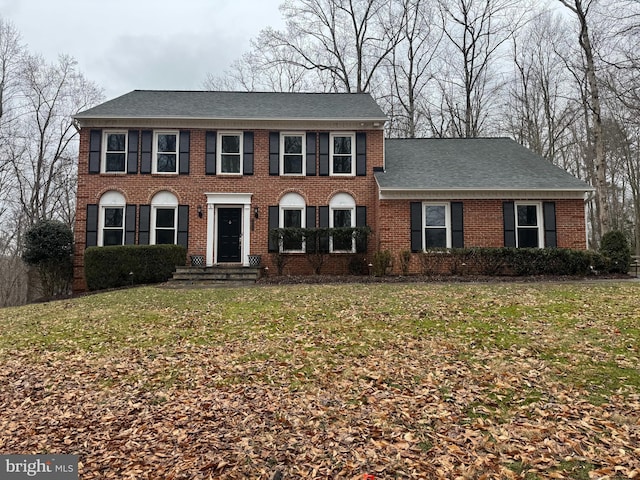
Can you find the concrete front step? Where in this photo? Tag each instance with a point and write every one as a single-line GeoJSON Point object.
{"type": "Point", "coordinates": [236, 275]}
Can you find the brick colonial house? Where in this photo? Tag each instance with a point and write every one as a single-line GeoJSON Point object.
{"type": "Point", "coordinates": [216, 171]}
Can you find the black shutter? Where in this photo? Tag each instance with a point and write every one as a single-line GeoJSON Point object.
{"type": "Point", "coordinates": [185, 141]}
{"type": "Point", "coordinates": [183, 225]}
{"type": "Point", "coordinates": [509, 218]}
{"type": "Point", "coordinates": [311, 153]}
{"type": "Point", "coordinates": [361, 154]}
{"type": "Point", "coordinates": [130, 225]}
{"type": "Point", "coordinates": [210, 152]}
{"type": "Point", "coordinates": [144, 225]}
{"type": "Point", "coordinates": [457, 225]}
{"type": "Point", "coordinates": [310, 222]}
{"type": "Point", "coordinates": [361, 221]}
{"type": "Point", "coordinates": [324, 154]}
{"type": "Point", "coordinates": [274, 223]}
{"type": "Point", "coordinates": [95, 145]}
{"type": "Point", "coordinates": [274, 153]}
{"type": "Point", "coordinates": [146, 148]}
{"type": "Point", "coordinates": [132, 152]}
{"type": "Point", "coordinates": [247, 153]}
{"type": "Point", "coordinates": [550, 236]}
{"type": "Point", "coordinates": [323, 222]}
{"type": "Point", "coordinates": [91, 237]}
{"type": "Point", "coordinates": [416, 226]}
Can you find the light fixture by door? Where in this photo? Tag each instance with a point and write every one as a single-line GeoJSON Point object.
{"type": "Point", "coordinates": [199, 211]}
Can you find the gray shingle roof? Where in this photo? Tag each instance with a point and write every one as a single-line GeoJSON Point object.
{"type": "Point", "coordinates": [470, 164]}
{"type": "Point", "coordinates": [238, 106]}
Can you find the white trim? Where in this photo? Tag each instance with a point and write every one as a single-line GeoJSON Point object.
{"type": "Point", "coordinates": [303, 154]}
{"type": "Point", "coordinates": [342, 201]}
{"type": "Point", "coordinates": [154, 155]}
{"type": "Point", "coordinates": [240, 200]}
{"type": "Point", "coordinates": [221, 134]}
{"type": "Point", "coordinates": [103, 153]}
{"type": "Point", "coordinates": [473, 194]}
{"type": "Point", "coordinates": [292, 202]}
{"type": "Point", "coordinates": [111, 199]}
{"type": "Point", "coordinates": [539, 221]}
{"type": "Point", "coordinates": [447, 223]}
{"type": "Point", "coordinates": [353, 153]}
{"type": "Point", "coordinates": [164, 200]}
{"type": "Point", "coordinates": [279, 124]}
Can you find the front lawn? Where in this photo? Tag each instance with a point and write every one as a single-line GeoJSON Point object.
{"type": "Point", "coordinates": [492, 381]}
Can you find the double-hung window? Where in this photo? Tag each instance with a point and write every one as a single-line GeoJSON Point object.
{"type": "Point", "coordinates": [292, 146]}
{"type": "Point", "coordinates": [529, 232]}
{"type": "Point", "coordinates": [292, 208]}
{"type": "Point", "coordinates": [342, 154]}
{"type": "Point", "coordinates": [230, 153]}
{"type": "Point", "coordinates": [115, 152]}
{"type": "Point", "coordinates": [166, 152]}
{"type": "Point", "coordinates": [111, 221]}
{"type": "Point", "coordinates": [437, 226]}
{"type": "Point", "coordinates": [342, 214]}
{"type": "Point", "coordinates": [164, 218]}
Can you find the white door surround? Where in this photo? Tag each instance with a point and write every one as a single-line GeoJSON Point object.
{"type": "Point", "coordinates": [239, 200]}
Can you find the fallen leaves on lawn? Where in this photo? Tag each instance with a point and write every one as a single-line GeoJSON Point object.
{"type": "Point", "coordinates": [417, 406]}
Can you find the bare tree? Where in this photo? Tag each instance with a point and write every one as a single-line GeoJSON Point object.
{"type": "Point", "coordinates": [540, 111]}
{"type": "Point", "coordinates": [409, 69]}
{"type": "Point", "coordinates": [582, 10]}
{"type": "Point", "coordinates": [476, 31]}
{"type": "Point", "coordinates": [344, 41]}
{"type": "Point", "coordinates": [43, 159]}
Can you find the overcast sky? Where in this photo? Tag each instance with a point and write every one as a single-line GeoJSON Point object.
{"type": "Point", "coordinates": [123, 45]}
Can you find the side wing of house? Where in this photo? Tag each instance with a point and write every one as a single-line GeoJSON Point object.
{"type": "Point", "coordinates": [454, 193]}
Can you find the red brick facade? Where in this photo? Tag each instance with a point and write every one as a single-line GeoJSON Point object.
{"type": "Point", "coordinates": [388, 219]}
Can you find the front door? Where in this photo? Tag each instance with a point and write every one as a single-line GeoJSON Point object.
{"type": "Point", "coordinates": [229, 233]}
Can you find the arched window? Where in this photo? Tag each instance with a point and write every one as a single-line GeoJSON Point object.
{"type": "Point", "coordinates": [111, 219]}
{"type": "Point", "coordinates": [292, 207]}
{"type": "Point", "coordinates": [342, 213]}
{"type": "Point", "coordinates": [164, 218]}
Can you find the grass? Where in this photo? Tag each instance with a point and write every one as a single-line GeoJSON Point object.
{"type": "Point", "coordinates": [488, 355]}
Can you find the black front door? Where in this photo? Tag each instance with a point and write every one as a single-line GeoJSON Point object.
{"type": "Point", "coordinates": [229, 230]}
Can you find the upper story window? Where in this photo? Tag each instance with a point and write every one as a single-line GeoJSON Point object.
{"type": "Point", "coordinates": [165, 159]}
{"type": "Point", "coordinates": [342, 154]}
{"type": "Point", "coordinates": [111, 219]}
{"type": "Point", "coordinates": [230, 153]}
{"type": "Point", "coordinates": [164, 218]}
{"type": "Point", "coordinates": [114, 158]}
{"type": "Point", "coordinates": [529, 232]}
{"type": "Point", "coordinates": [292, 156]}
{"type": "Point", "coordinates": [437, 225]}
{"type": "Point", "coordinates": [342, 213]}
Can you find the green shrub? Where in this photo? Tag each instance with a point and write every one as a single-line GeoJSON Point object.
{"type": "Point", "coordinates": [615, 248]}
{"type": "Point", "coordinates": [48, 247]}
{"type": "Point", "coordinates": [117, 266]}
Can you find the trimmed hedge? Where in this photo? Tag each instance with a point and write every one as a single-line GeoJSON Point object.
{"type": "Point", "coordinates": [118, 266]}
{"type": "Point", "coordinates": [511, 261]}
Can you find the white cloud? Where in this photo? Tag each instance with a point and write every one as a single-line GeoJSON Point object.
{"type": "Point", "coordinates": [124, 45]}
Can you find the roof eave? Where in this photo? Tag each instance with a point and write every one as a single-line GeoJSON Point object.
{"type": "Point", "coordinates": [382, 120]}
{"type": "Point", "coordinates": [390, 193]}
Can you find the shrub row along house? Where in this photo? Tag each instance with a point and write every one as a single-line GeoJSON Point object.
{"type": "Point", "coordinates": [218, 171]}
